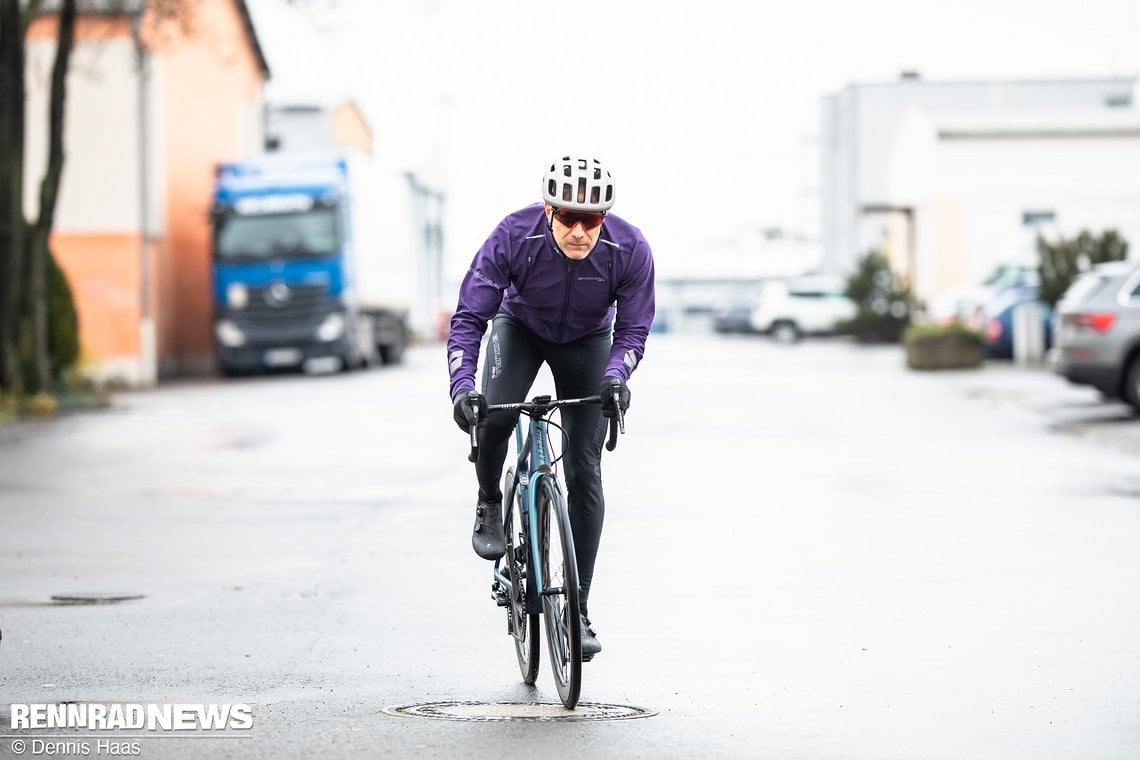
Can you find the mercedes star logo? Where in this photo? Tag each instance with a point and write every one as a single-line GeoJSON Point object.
{"type": "Point", "coordinates": [278, 294]}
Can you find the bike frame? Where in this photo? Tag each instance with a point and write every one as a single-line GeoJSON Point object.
{"type": "Point", "coordinates": [535, 461]}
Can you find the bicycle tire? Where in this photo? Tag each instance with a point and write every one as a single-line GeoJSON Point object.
{"type": "Point", "coordinates": [522, 627]}
{"type": "Point", "coordinates": [560, 603]}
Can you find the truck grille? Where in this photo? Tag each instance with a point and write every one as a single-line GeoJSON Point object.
{"type": "Point", "coordinates": [279, 303]}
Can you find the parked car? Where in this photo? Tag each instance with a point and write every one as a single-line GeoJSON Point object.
{"type": "Point", "coordinates": [1097, 331]}
{"type": "Point", "coordinates": [790, 309]}
{"type": "Point", "coordinates": [966, 303]}
{"type": "Point", "coordinates": [998, 316]}
{"type": "Point", "coordinates": [733, 317]}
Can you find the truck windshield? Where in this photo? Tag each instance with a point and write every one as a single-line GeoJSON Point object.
{"type": "Point", "coordinates": [308, 233]}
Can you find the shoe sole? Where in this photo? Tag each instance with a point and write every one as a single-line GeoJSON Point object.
{"type": "Point", "coordinates": [489, 557]}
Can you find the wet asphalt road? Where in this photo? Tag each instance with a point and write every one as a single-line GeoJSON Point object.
{"type": "Point", "coordinates": [809, 552]}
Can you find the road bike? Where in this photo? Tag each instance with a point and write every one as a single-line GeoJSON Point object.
{"type": "Point", "coordinates": [538, 574]}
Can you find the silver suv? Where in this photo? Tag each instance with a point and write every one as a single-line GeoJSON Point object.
{"type": "Point", "coordinates": [1097, 331]}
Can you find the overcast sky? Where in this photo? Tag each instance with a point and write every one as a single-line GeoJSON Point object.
{"type": "Point", "coordinates": [707, 112]}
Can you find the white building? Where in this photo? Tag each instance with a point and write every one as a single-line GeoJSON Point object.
{"type": "Point", "coordinates": [313, 108]}
{"type": "Point", "coordinates": [945, 173]}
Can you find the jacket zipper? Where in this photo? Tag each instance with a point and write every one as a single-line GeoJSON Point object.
{"type": "Point", "coordinates": [565, 301]}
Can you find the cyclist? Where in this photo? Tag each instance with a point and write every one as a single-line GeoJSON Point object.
{"type": "Point", "coordinates": [548, 279]}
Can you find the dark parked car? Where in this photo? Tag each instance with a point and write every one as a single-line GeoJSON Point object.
{"type": "Point", "coordinates": [735, 317]}
{"type": "Point", "coordinates": [1098, 331]}
{"type": "Point", "coordinates": [998, 318]}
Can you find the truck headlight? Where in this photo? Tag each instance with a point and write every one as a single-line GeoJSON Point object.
{"type": "Point", "coordinates": [237, 295]}
{"type": "Point", "coordinates": [229, 334]}
{"type": "Point", "coordinates": [332, 327]}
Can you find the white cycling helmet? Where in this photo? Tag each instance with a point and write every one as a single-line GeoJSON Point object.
{"type": "Point", "coordinates": [578, 184]}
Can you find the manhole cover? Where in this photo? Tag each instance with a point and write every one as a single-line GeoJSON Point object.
{"type": "Point", "coordinates": [94, 598]}
{"type": "Point", "coordinates": [522, 711]}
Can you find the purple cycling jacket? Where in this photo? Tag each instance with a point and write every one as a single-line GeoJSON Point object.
{"type": "Point", "coordinates": [520, 271]}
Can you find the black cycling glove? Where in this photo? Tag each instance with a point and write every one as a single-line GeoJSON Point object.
{"type": "Point", "coordinates": [606, 391]}
{"type": "Point", "coordinates": [465, 415]}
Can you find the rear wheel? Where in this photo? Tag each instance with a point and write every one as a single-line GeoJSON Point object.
{"type": "Point", "coordinates": [392, 351]}
{"type": "Point", "coordinates": [560, 604]}
{"type": "Point", "coordinates": [785, 332]}
{"type": "Point", "coordinates": [522, 627]}
{"type": "Point", "coordinates": [1131, 389]}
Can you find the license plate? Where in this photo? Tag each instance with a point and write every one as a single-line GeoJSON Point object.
{"type": "Point", "coordinates": [282, 357]}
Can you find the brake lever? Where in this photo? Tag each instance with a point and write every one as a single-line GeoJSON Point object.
{"type": "Point", "coordinates": [474, 455]}
{"type": "Point", "coordinates": [474, 431]}
{"type": "Point", "coordinates": [620, 414]}
{"type": "Point", "coordinates": [616, 422]}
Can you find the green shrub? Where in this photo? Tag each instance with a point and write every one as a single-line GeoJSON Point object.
{"type": "Point", "coordinates": [62, 338]}
{"type": "Point", "coordinates": [63, 321]}
{"type": "Point", "coordinates": [951, 346]}
{"type": "Point", "coordinates": [882, 301]}
{"type": "Point", "coordinates": [1061, 262]}
{"type": "Point", "coordinates": [923, 332]}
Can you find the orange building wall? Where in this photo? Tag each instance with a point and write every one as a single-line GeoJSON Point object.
{"type": "Point", "coordinates": [211, 78]}
{"type": "Point", "coordinates": [103, 270]}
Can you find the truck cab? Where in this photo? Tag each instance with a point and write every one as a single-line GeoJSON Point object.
{"type": "Point", "coordinates": [284, 275]}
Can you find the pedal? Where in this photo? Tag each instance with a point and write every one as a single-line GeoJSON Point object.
{"type": "Point", "coordinates": [500, 596]}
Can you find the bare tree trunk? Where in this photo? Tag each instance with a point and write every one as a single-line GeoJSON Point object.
{"type": "Point", "coordinates": [41, 369]}
{"type": "Point", "coordinates": [11, 188]}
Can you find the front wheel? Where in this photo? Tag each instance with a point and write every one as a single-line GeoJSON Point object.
{"type": "Point", "coordinates": [560, 604]}
{"type": "Point", "coordinates": [522, 627]}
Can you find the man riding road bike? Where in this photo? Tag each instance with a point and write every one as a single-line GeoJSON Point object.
{"type": "Point", "coordinates": [566, 283]}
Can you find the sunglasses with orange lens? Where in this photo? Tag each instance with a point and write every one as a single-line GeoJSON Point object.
{"type": "Point", "coordinates": [570, 218]}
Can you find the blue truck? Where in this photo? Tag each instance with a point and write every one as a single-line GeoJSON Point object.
{"type": "Point", "coordinates": [313, 263]}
